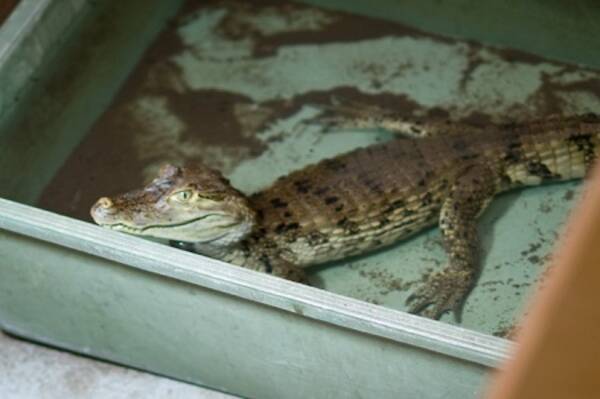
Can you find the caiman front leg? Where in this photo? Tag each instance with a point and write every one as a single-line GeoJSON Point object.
{"type": "Point", "coordinates": [267, 262]}
{"type": "Point", "coordinates": [288, 271]}
{"type": "Point", "coordinates": [272, 263]}
{"type": "Point", "coordinates": [446, 290]}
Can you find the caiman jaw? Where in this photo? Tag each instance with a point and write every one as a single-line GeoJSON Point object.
{"type": "Point", "coordinates": [143, 229]}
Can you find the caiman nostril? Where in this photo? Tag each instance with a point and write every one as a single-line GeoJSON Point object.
{"type": "Point", "coordinates": [105, 203]}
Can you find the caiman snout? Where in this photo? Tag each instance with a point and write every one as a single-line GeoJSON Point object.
{"type": "Point", "coordinates": [102, 210]}
{"type": "Point", "coordinates": [104, 202]}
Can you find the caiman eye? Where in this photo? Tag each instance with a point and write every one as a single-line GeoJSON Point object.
{"type": "Point", "coordinates": [182, 196]}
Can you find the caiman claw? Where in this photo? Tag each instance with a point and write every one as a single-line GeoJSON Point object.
{"type": "Point", "coordinates": [443, 292]}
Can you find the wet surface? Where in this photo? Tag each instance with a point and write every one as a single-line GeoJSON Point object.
{"type": "Point", "coordinates": [231, 83]}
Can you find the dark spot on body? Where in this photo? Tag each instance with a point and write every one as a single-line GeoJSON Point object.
{"type": "Point", "coordinates": [339, 208]}
{"type": "Point", "coordinates": [590, 117]}
{"type": "Point", "coordinates": [267, 263]}
{"type": "Point", "coordinates": [278, 203]}
{"type": "Point", "coordinates": [349, 227]}
{"type": "Point", "coordinates": [380, 233]}
{"type": "Point", "coordinates": [513, 152]}
{"type": "Point", "coordinates": [468, 157]}
{"type": "Point", "coordinates": [334, 165]}
{"type": "Point", "coordinates": [584, 144]}
{"type": "Point", "coordinates": [505, 180]}
{"type": "Point", "coordinates": [302, 186]}
{"type": "Point", "coordinates": [383, 221]}
{"type": "Point", "coordinates": [352, 228]}
{"type": "Point", "coordinates": [284, 228]}
{"type": "Point", "coordinates": [331, 200]}
{"type": "Point", "coordinates": [287, 214]}
{"type": "Point", "coordinates": [292, 226]}
{"type": "Point", "coordinates": [321, 191]}
{"type": "Point", "coordinates": [459, 145]}
{"type": "Point", "coordinates": [376, 187]}
{"type": "Point", "coordinates": [540, 170]}
{"type": "Point", "coordinates": [399, 203]}
{"type": "Point", "coordinates": [315, 238]}
{"type": "Point", "coordinates": [514, 145]}
{"type": "Point", "coordinates": [408, 212]}
{"type": "Point", "coordinates": [427, 199]}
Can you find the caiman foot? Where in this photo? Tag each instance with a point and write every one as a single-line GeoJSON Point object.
{"type": "Point", "coordinates": [444, 291]}
{"type": "Point", "coordinates": [291, 273]}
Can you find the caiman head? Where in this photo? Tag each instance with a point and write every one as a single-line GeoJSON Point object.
{"type": "Point", "coordinates": [189, 204]}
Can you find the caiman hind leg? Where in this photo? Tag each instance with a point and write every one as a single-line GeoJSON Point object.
{"type": "Point", "coordinates": [288, 271]}
{"type": "Point", "coordinates": [446, 290]}
{"type": "Point", "coordinates": [272, 263]}
{"type": "Point", "coordinates": [353, 115]}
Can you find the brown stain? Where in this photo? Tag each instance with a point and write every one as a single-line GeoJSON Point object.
{"type": "Point", "coordinates": [386, 281]}
{"type": "Point", "coordinates": [6, 8]}
{"type": "Point", "coordinates": [533, 247]}
{"type": "Point", "coordinates": [507, 331]}
{"type": "Point", "coordinates": [517, 56]}
{"type": "Point", "coordinates": [569, 195]}
{"type": "Point", "coordinates": [210, 117]}
{"type": "Point", "coordinates": [534, 259]}
{"type": "Point", "coordinates": [547, 99]}
{"type": "Point", "coordinates": [340, 27]}
{"type": "Point", "coordinates": [474, 61]}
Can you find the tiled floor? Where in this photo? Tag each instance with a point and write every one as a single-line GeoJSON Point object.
{"type": "Point", "coordinates": [32, 371]}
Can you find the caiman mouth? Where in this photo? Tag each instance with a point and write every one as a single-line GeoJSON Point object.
{"type": "Point", "coordinates": [130, 229]}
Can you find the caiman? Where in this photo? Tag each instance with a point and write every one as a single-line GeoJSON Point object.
{"type": "Point", "coordinates": [363, 200]}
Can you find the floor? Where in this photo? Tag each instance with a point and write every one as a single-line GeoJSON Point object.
{"type": "Point", "coordinates": [32, 371]}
